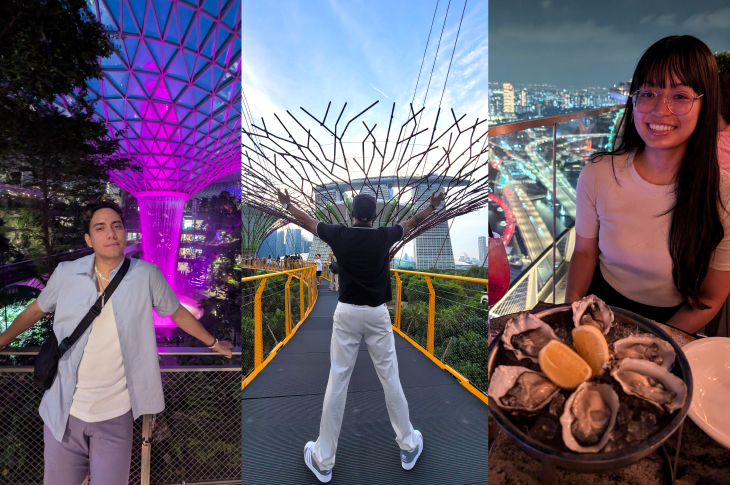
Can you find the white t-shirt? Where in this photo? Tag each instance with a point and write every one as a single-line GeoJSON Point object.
{"type": "Point", "coordinates": [101, 389]}
{"type": "Point", "coordinates": [633, 236]}
{"type": "Point", "coordinates": [319, 264]}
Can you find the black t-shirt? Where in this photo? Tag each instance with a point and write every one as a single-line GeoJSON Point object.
{"type": "Point", "coordinates": [362, 257]}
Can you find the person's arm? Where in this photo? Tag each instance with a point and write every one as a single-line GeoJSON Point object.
{"type": "Point", "coordinates": [581, 269]}
{"type": "Point", "coordinates": [713, 292]}
{"type": "Point", "coordinates": [436, 199]}
{"type": "Point", "coordinates": [22, 322]}
{"type": "Point", "coordinates": [190, 325]}
{"type": "Point", "coordinates": [307, 222]}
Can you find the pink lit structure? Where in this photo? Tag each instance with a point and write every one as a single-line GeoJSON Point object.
{"type": "Point", "coordinates": [173, 85]}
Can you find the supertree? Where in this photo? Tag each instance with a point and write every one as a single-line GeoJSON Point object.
{"type": "Point", "coordinates": [400, 170]}
{"type": "Point", "coordinates": [173, 85]}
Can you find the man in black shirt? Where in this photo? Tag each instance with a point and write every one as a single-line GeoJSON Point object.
{"type": "Point", "coordinates": [362, 253]}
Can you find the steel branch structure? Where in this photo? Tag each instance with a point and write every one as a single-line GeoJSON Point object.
{"type": "Point", "coordinates": [323, 177]}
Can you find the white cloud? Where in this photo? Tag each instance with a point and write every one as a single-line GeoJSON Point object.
{"type": "Point", "coordinates": [719, 19]}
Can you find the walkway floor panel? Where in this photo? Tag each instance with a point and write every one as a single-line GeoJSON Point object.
{"type": "Point", "coordinates": [282, 406]}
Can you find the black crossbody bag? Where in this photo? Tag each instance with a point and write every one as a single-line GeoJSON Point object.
{"type": "Point", "coordinates": [46, 363]}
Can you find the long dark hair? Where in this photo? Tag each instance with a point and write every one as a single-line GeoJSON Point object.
{"type": "Point", "coordinates": [696, 228]}
{"type": "Point", "coordinates": [725, 97]}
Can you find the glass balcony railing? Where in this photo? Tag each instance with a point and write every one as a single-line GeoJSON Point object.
{"type": "Point", "coordinates": [534, 168]}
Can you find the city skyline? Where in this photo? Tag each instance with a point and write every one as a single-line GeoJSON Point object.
{"type": "Point", "coordinates": [574, 43]}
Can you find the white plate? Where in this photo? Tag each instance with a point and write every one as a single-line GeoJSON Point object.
{"type": "Point", "coordinates": [709, 359]}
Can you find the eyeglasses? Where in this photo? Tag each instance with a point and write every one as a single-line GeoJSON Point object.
{"type": "Point", "coordinates": [678, 102]}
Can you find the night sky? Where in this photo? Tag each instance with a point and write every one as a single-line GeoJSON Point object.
{"type": "Point", "coordinates": [579, 43]}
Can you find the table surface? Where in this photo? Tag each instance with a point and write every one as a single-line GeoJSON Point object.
{"type": "Point", "coordinates": [702, 461]}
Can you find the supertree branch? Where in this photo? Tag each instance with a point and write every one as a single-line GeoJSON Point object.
{"type": "Point", "coordinates": [401, 170]}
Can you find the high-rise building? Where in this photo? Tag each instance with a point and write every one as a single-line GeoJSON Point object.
{"type": "Point", "coordinates": [523, 98]}
{"type": "Point", "coordinates": [566, 100]}
{"type": "Point", "coordinates": [482, 244]}
{"type": "Point", "coordinates": [433, 247]}
{"type": "Point", "coordinates": [509, 98]}
{"type": "Point", "coordinates": [293, 241]}
{"type": "Point", "coordinates": [268, 247]}
{"type": "Point", "coordinates": [280, 245]}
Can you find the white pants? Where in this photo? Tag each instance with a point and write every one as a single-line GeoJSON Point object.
{"type": "Point", "coordinates": [334, 282]}
{"type": "Point", "coordinates": [351, 324]}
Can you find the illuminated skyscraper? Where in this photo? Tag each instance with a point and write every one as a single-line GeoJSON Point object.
{"type": "Point", "coordinates": [509, 98]}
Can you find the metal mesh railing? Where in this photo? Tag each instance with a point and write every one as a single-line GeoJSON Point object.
{"type": "Point", "coordinates": [197, 438]}
{"type": "Point", "coordinates": [21, 435]}
{"type": "Point", "coordinates": [444, 315]}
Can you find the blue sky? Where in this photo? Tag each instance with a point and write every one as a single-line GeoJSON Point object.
{"type": "Point", "coordinates": [307, 53]}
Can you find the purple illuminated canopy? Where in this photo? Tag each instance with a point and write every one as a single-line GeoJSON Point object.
{"type": "Point", "coordinates": [173, 86]}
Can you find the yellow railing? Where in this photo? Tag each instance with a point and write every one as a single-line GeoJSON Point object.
{"type": "Point", "coordinates": [306, 275]}
{"type": "Point", "coordinates": [429, 350]}
{"type": "Point", "coordinates": [274, 265]}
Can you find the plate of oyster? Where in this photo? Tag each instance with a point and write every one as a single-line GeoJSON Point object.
{"type": "Point", "coordinates": [633, 396]}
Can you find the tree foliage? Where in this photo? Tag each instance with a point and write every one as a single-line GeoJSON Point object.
{"type": "Point", "coordinates": [723, 62]}
{"type": "Point", "coordinates": [48, 51]}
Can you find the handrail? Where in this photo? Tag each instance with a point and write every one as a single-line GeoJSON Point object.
{"type": "Point", "coordinates": [446, 276]}
{"type": "Point", "coordinates": [530, 271]}
{"type": "Point", "coordinates": [507, 128]}
{"type": "Point", "coordinates": [277, 273]}
{"type": "Point", "coordinates": [535, 263]}
{"type": "Point", "coordinates": [306, 276]}
{"type": "Point", "coordinates": [26, 351]}
{"type": "Point", "coordinates": [430, 335]}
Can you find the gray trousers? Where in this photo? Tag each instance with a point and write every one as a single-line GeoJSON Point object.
{"type": "Point", "coordinates": [103, 449]}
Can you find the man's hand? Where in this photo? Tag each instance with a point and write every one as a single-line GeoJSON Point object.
{"type": "Point", "coordinates": [283, 196]}
{"type": "Point", "coordinates": [302, 218]}
{"type": "Point", "coordinates": [223, 348]}
{"type": "Point", "coordinates": [437, 198]}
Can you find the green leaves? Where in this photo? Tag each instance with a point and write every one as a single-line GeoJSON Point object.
{"type": "Point", "coordinates": [723, 62]}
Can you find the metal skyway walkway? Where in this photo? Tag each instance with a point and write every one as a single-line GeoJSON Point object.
{"type": "Point", "coordinates": [282, 405]}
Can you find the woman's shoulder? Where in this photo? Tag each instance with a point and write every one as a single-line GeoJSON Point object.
{"type": "Point", "coordinates": [606, 166]}
{"type": "Point", "coordinates": [607, 160]}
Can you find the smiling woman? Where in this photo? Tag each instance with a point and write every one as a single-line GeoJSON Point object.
{"type": "Point", "coordinates": [662, 183]}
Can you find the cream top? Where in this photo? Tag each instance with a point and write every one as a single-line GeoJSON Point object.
{"type": "Point", "coordinates": [723, 150]}
{"type": "Point", "coordinates": [633, 236]}
{"type": "Point", "coordinates": [101, 390]}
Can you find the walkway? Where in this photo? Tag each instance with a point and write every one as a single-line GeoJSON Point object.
{"type": "Point", "coordinates": [282, 407]}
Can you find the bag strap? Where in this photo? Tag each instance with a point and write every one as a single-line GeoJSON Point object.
{"type": "Point", "coordinates": [94, 311]}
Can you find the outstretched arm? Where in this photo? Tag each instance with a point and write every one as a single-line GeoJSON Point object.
{"type": "Point", "coordinates": [190, 325]}
{"type": "Point", "coordinates": [22, 322]}
{"type": "Point", "coordinates": [436, 198]}
{"type": "Point", "coordinates": [307, 222]}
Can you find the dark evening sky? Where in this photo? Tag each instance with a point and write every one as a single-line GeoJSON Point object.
{"type": "Point", "coordinates": [578, 43]}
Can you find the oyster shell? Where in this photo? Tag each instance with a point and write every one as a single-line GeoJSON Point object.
{"type": "Point", "coordinates": [592, 311]}
{"type": "Point", "coordinates": [589, 417]}
{"type": "Point", "coordinates": [646, 347]}
{"type": "Point", "coordinates": [651, 382]}
{"type": "Point", "coordinates": [520, 389]}
{"type": "Point", "coordinates": [526, 334]}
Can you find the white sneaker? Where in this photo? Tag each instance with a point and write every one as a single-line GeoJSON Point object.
{"type": "Point", "coordinates": [323, 476]}
{"type": "Point", "coordinates": [408, 458]}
